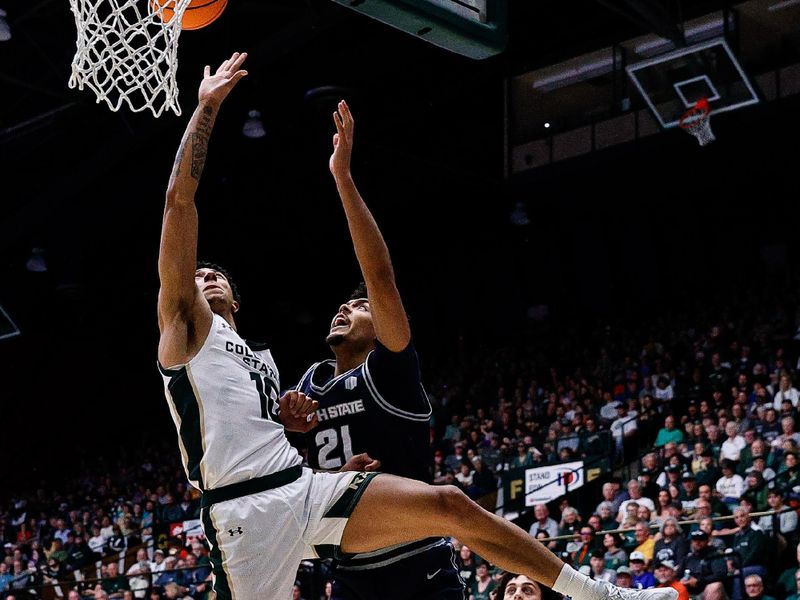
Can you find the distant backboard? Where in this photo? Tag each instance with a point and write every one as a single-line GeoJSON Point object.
{"type": "Point", "coordinates": [8, 328]}
{"type": "Point", "coordinates": [671, 83]}
{"type": "Point", "coordinates": [473, 28]}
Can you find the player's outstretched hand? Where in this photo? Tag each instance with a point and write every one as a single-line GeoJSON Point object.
{"type": "Point", "coordinates": [298, 412]}
{"type": "Point", "coordinates": [339, 162]}
{"type": "Point", "coordinates": [362, 462]}
{"type": "Point", "coordinates": [216, 86]}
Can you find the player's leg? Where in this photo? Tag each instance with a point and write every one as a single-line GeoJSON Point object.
{"type": "Point", "coordinates": [394, 510]}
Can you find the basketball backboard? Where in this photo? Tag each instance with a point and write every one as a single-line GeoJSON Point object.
{"type": "Point", "coordinates": [673, 82]}
{"type": "Point", "coordinates": [473, 28]}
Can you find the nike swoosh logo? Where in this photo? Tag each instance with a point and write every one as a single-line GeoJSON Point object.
{"type": "Point", "coordinates": [432, 575]}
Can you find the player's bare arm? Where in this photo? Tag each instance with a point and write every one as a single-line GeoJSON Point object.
{"type": "Point", "coordinates": [389, 316]}
{"type": "Point", "coordinates": [184, 316]}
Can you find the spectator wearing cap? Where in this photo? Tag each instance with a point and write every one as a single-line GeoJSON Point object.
{"type": "Point", "coordinates": [707, 569]}
{"type": "Point", "coordinates": [599, 571]}
{"type": "Point", "coordinates": [649, 487]}
{"type": "Point", "coordinates": [641, 577]}
{"type": "Point", "coordinates": [666, 575]}
{"type": "Point", "coordinates": [624, 577]}
{"type": "Point", "coordinates": [754, 588]}
{"type": "Point", "coordinates": [731, 485]}
{"type": "Point", "coordinates": [689, 493]}
{"type": "Point", "coordinates": [670, 476]}
{"type": "Point", "coordinates": [671, 545]}
{"type": "Point", "coordinates": [668, 433]}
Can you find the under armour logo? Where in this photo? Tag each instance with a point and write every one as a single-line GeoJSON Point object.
{"type": "Point", "coordinates": [237, 531]}
{"type": "Point", "coordinates": [351, 382]}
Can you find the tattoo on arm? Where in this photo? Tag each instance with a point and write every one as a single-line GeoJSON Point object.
{"type": "Point", "coordinates": [200, 142]}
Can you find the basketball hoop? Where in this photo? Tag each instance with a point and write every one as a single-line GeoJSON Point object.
{"type": "Point", "coordinates": [697, 121]}
{"type": "Point", "coordinates": [127, 51]}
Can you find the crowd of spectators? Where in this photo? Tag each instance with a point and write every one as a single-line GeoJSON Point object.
{"type": "Point", "coordinates": [700, 409]}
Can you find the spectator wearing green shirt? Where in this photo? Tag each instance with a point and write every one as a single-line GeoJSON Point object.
{"type": "Point", "coordinates": [114, 584]}
{"type": "Point", "coordinates": [668, 433]}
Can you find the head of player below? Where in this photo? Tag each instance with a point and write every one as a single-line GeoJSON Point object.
{"type": "Point", "coordinates": [352, 331]}
{"type": "Point", "coordinates": [218, 288]}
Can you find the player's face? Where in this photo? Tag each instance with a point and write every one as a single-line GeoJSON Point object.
{"type": "Point", "coordinates": [352, 322]}
{"type": "Point", "coordinates": [215, 289]}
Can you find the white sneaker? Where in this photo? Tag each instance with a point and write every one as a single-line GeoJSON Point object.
{"type": "Point", "coordinates": [657, 593]}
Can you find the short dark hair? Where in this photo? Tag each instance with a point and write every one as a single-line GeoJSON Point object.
{"type": "Point", "coordinates": [359, 292]}
{"type": "Point", "coordinates": [204, 264]}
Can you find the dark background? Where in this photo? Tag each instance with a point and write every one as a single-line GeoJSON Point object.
{"type": "Point", "coordinates": [621, 233]}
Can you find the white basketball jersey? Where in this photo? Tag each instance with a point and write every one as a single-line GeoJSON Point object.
{"type": "Point", "coordinates": [224, 404]}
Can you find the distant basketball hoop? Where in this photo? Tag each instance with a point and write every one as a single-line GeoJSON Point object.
{"type": "Point", "coordinates": [697, 121]}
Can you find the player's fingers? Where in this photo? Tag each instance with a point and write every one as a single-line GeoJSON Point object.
{"type": "Point", "coordinates": [374, 465]}
{"type": "Point", "coordinates": [335, 140]}
{"type": "Point", "coordinates": [337, 119]}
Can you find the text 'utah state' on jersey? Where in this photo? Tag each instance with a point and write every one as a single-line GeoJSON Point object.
{"type": "Point", "coordinates": [380, 407]}
{"type": "Point", "coordinates": [224, 405]}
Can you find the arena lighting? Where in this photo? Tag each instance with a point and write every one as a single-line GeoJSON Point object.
{"type": "Point", "coordinates": [5, 29]}
{"type": "Point", "coordinates": [36, 262]}
{"type": "Point", "coordinates": [254, 127]}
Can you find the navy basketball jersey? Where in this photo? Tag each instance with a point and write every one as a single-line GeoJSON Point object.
{"type": "Point", "coordinates": [380, 408]}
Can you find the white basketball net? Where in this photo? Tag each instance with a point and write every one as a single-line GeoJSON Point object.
{"type": "Point", "coordinates": [698, 123]}
{"type": "Point", "coordinates": [127, 53]}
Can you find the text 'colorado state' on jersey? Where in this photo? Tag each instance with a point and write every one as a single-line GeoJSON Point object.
{"type": "Point", "coordinates": [252, 360]}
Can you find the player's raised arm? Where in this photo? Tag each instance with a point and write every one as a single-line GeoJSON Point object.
{"type": "Point", "coordinates": [389, 316]}
{"type": "Point", "coordinates": [179, 297]}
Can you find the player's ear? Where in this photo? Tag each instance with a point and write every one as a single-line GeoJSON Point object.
{"type": "Point", "coordinates": [235, 307]}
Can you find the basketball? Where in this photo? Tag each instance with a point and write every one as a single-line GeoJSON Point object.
{"type": "Point", "coordinates": [197, 15]}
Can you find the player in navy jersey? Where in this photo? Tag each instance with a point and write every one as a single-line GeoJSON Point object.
{"type": "Point", "coordinates": [372, 400]}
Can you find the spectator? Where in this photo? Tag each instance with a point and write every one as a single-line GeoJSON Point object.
{"type": "Point", "coordinates": [544, 522]}
{"type": "Point", "coordinates": [786, 391]}
{"type": "Point", "coordinates": [614, 555]}
{"type": "Point", "coordinates": [624, 577]}
{"type": "Point", "coordinates": [467, 565]}
{"type": "Point", "coordinates": [795, 591]}
{"type": "Point", "coordinates": [646, 543]}
{"type": "Point", "coordinates": [581, 557]}
{"type": "Point", "coordinates": [483, 585]}
{"type": "Point", "coordinates": [733, 445]}
{"type": "Point", "coordinates": [731, 485]}
{"type": "Point", "coordinates": [641, 577]}
{"type": "Point", "coordinates": [706, 573]}
{"type": "Point", "coordinates": [97, 543]}
{"type": "Point", "coordinates": [483, 481]}
{"type": "Point", "coordinates": [597, 562]}
{"type": "Point", "coordinates": [780, 527]}
{"type": "Point", "coordinates": [635, 492]}
{"type": "Point", "coordinates": [666, 573]}
{"type": "Point", "coordinates": [754, 588]}
{"type": "Point", "coordinates": [668, 433]}
{"type": "Point", "coordinates": [751, 545]}
{"type": "Point", "coordinates": [671, 545]}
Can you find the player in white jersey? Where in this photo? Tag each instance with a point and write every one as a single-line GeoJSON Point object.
{"type": "Point", "coordinates": [263, 512]}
